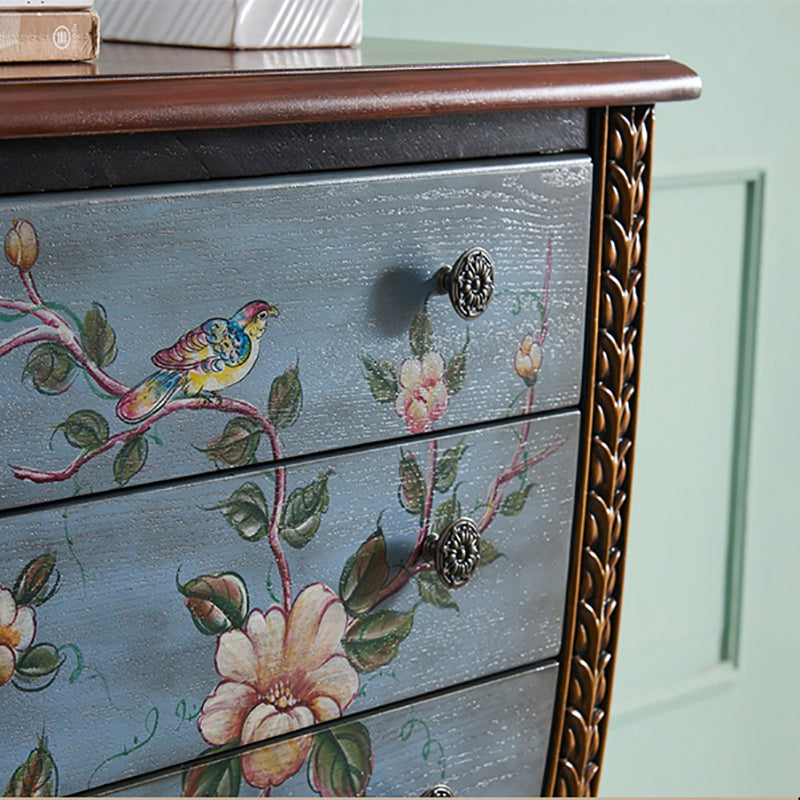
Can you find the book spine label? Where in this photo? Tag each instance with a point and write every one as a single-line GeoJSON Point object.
{"type": "Point", "coordinates": [49, 36]}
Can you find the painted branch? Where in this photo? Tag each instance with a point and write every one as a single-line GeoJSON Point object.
{"type": "Point", "coordinates": [496, 490]}
{"type": "Point", "coordinates": [30, 288]}
{"type": "Point", "coordinates": [231, 405]}
{"type": "Point", "coordinates": [197, 403]}
{"type": "Point", "coordinates": [546, 293]}
{"type": "Point", "coordinates": [29, 335]}
{"type": "Point", "coordinates": [412, 564]}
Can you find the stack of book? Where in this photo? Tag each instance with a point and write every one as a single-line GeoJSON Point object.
{"type": "Point", "coordinates": [48, 30]}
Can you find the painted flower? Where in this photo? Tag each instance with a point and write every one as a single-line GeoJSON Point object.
{"type": "Point", "coordinates": [17, 627]}
{"type": "Point", "coordinates": [423, 393]}
{"type": "Point", "coordinates": [281, 673]}
{"type": "Point", "coordinates": [528, 359]}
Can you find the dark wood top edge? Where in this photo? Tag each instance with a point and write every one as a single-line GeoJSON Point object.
{"type": "Point", "coordinates": [125, 104]}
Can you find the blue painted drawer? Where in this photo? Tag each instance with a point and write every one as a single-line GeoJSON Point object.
{"type": "Point", "coordinates": [490, 740]}
{"type": "Point", "coordinates": [139, 630]}
{"type": "Point", "coordinates": [360, 350]}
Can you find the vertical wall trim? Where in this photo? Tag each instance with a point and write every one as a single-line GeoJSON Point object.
{"type": "Point", "coordinates": [743, 416]}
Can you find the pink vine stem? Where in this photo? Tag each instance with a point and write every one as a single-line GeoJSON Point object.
{"type": "Point", "coordinates": [413, 565]}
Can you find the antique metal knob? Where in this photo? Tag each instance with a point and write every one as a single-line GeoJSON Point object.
{"type": "Point", "coordinates": [439, 790]}
{"type": "Point", "coordinates": [455, 552]}
{"type": "Point", "coordinates": [469, 282]}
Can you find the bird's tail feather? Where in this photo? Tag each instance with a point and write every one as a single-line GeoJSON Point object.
{"type": "Point", "coordinates": [148, 397]}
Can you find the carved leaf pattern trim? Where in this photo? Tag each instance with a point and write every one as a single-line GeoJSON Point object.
{"type": "Point", "coordinates": [613, 424]}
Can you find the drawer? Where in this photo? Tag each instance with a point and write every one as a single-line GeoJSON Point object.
{"type": "Point", "coordinates": [489, 740]}
{"type": "Point", "coordinates": [132, 613]}
{"type": "Point", "coordinates": [362, 348]}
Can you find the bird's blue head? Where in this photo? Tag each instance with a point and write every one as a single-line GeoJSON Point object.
{"type": "Point", "coordinates": [252, 318]}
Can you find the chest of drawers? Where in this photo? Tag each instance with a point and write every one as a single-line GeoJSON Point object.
{"type": "Point", "coordinates": [319, 394]}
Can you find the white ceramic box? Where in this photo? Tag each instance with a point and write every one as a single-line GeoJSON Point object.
{"type": "Point", "coordinates": [236, 24]}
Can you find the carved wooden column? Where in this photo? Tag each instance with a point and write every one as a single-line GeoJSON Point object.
{"type": "Point", "coordinates": [622, 164]}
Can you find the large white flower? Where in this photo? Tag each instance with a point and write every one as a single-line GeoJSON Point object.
{"type": "Point", "coordinates": [17, 627]}
{"type": "Point", "coordinates": [283, 672]}
{"type": "Point", "coordinates": [423, 393]}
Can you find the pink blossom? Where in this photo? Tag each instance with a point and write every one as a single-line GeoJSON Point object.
{"type": "Point", "coordinates": [283, 672]}
{"type": "Point", "coordinates": [17, 627]}
{"type": "Point", "coordinates": [423, 393]}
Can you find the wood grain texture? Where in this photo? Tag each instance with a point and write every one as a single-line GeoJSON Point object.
{"type": "Point", "coordinates": [609, 425]}
{"type": "Point", "coordinates": [489, 740]}
{"type": "Point", "coordinates": [129, 667]}
{"type": "Point", "coordinates": [72, 162]}
{"type": "Point", "coordinates": [347, 259]}
{"type": "Point", "coordinates": [126, 104]}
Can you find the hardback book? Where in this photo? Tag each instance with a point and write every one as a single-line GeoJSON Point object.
{"type": "Point", "coordinates": [235, 24]}
{"type": "Point", "coordinates": [62, 35]}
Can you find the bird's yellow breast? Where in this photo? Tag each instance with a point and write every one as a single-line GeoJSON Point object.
{"type": "Point", "coordinates": [197, 381]}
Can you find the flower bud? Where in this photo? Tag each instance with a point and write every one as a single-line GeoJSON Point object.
{"type": "Point", "coordinates": [22, 245]}
{"type": "Point", "coordinates": [37, 777]}
{"type": "Point", "coordinates": [528, 359]}
{"type": "Point", "coordinates": [38, 581]}
{"type": "Point", "coordinates": [216, 602]}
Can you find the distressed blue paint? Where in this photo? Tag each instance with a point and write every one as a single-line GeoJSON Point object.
{"type": "Point", "coordinates": [144, 662]}
{"type": "Point", "coordinates": [347, 260]}
{"type": "Point", "coordinates": [490, 740]}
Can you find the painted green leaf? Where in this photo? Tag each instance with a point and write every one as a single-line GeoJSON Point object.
{"type": "Point", "coordinates": [85, 429]}
{"type": "Point", "coordinates": [489, 553]}
{"type": "Point", "coordinates": [411, 492]}
{"type": "Point", "coordinates": [286, 398]}
{"type": "Point", "coordinates": [237, 444]}
{"type": "Point", "coordinates": [364, 575]}
{"type": "Point", "coordinates": [37, 777]}
{"type": "Point", "coordinates": [50, 368]}
{"type": "Point", "coordinates": [37, 668]}
{"type": "Point", "coordinates": [247, 512]}
{"type": "Point", "coordinates": [216, 779]}
{"type": "Point", "coordinates": [374, 640]}
{"type": "Point", "coordinates": [341, 761]}
{"type": "Point", "coordinates": [447, 468]}
{"type": "Point", "coordinates": [456, 372]}
{"type": "Point", "coordinates": [420, 334]}
{"type": "Point", "coordinates": [37, 581]}
{"type": "Point", "coordinates": [216, 602]}
{"type": "Point", "coordinates": [514, 503]}
{"type": "Point", "coordinates": [304, 510]}
{"type": "Point", "coordinates": [130, 459]}
{"type": "Point", "coordinates": [382, 379]}
{"type": "Point", "coordinates": [447, 511]}
{"type": "Point", "coordinates": [97, 337]}
{"type": "Point", "coordinates": [432, 591]}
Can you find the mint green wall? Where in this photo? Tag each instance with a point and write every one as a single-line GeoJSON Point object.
{"type": "Point", "coordinates": [705, 702]}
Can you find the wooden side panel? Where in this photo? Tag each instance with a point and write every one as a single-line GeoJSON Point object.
{"type": "Point", "coordinates": [158, 623]}
{"type": "Point", "coordinates": [489, 740]}
{"type": "Point", "coordinates": [360, 350]}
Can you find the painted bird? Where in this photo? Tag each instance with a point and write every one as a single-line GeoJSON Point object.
{"type": "Point", "coordinates": [217, 354]}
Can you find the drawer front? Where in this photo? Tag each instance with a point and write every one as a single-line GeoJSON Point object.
{"type": "Point", "coordinates": [490, 740]}
{"type": "Point", "coordinates": [360, 350]}
{"type": "Point", "coordinates": [138, 620]}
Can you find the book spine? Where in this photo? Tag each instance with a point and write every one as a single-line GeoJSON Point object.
{"type": "Point", "coordinates": [48, 36]}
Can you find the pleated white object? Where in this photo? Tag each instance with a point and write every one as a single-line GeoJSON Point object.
{"type": "Point", "coordinates": [238, 24]}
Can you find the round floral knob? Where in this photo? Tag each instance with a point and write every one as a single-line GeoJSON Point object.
{"type": "Point", "coordinates": [469, 282]}
{"type": "Point", "coordinates": [439, 790]}
{"type": "Point", "coordinates": [455, 552]}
